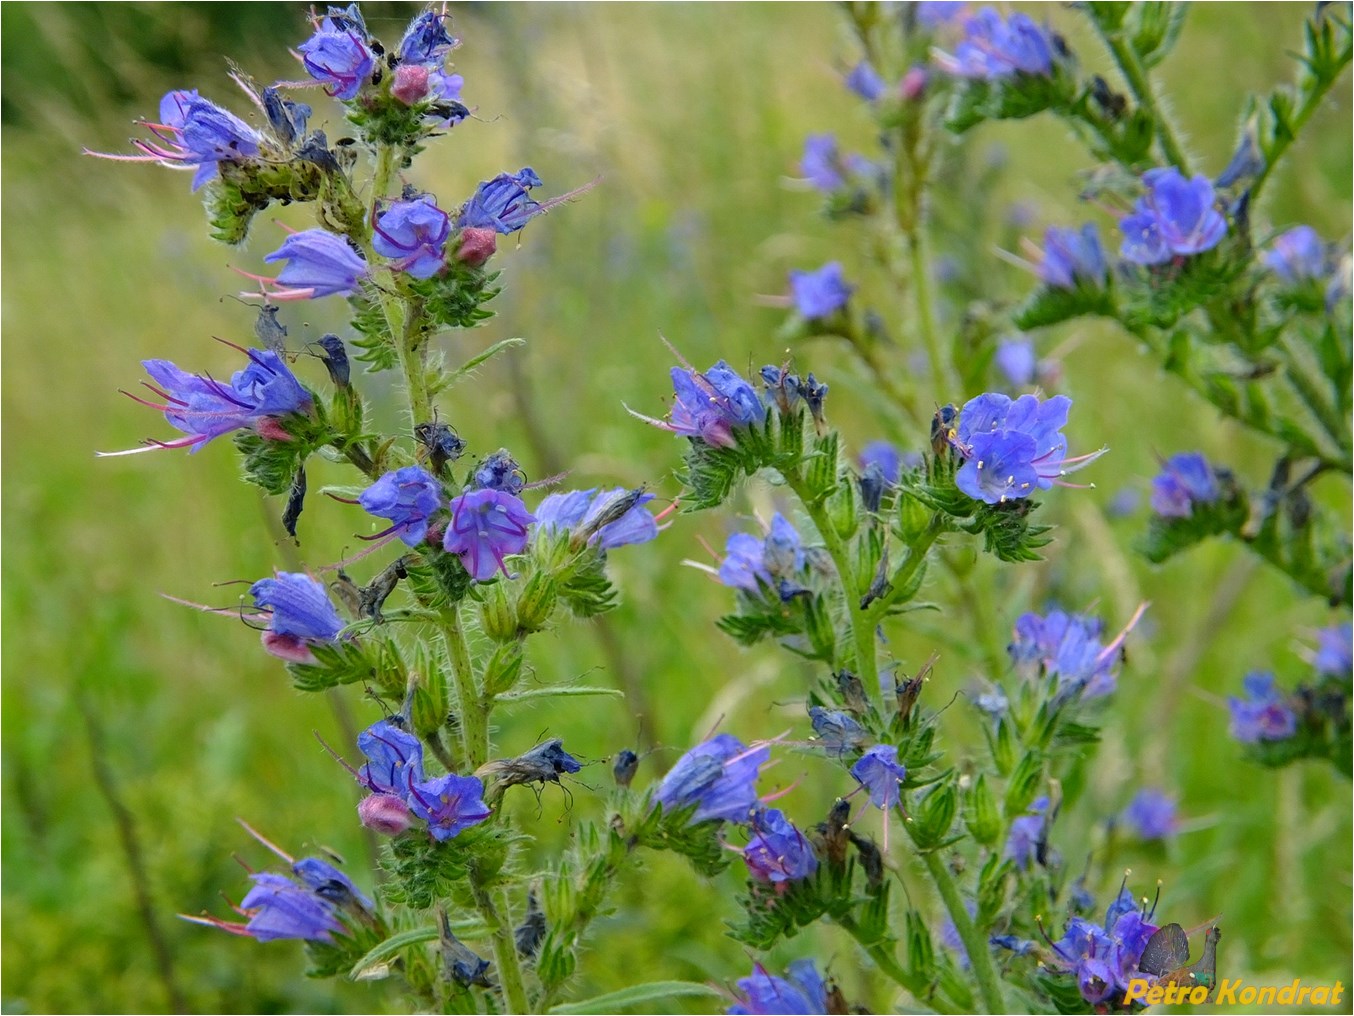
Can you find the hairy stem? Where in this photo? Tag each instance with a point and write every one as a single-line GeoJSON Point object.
{"type": "Point", "coordinates": [889, 966]}
{"type": "Point", "coordinates": [975, 941]}
{"type": "Point", "coordinates": [506, 961]}
{"type": "Point", "coordinates": [474, 712]}
{"type": "Point", "coordinates": [1141, 85]}
{"type": "Point", "coordinates": [1311, 102]}
{"type": "Point", "coordinates": [946, 386]}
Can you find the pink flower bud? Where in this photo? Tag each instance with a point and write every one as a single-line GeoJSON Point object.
{"type": "Point", "coordinates": [270, 429]}
{"type": "Point", "coordinates": [914, 83]}
{"type": "Point", "coordinates": [385, 813]}
{"type": "Point", "coordinates": [410, 83]}
{"type": "Point", "coordinates": [477, 245]}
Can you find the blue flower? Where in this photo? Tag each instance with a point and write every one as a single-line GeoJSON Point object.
{"type": "Point", "coordinates": [1186, 479]}
{"type": "Point", "coordinates": [774, 562]}
{"type": "Point", "coordinates": [1068, 646]}
{"type": "Point", "coordinates": [301, 615]}
{"type": "Point", "coordinates": [1104, 959]}
{"type": "Point", "coordinates": [1072, 257]}
{"type": "Point", "coordinates": [836, 731]}
{"type": "Point", "coordinates": [885, 456]}
{"type": "Point", "coordinates": [426, 40]}
{"type": "Point", "coordinates": [1017, 360]}
{"type": "Point", "coordinates": [449, 804]}
{"type": "Point", "coordinates": [1335, 651]}
{"type": "Point", "coordinates": [882, 775]}
{"type": "Point", "coordinates": [486, 527]}
{"type": "Point", "coordinates": [394, 759]}
{"type": "Point", "coordinates": [581, 510]}
{"type": "Point", "coordinates": [822, 293]}
{"type": "Point", "coordinates": [777, 851]}
{"type": "Point", "coordinates": [1175, 217]}
{"type": "Point", "coordinates": [1151, 815]}
{"type": "Point", "coordinates": [1297, 255]}
{"type": "Point", "coordinates": [993, 48]}
{"type": "Point", "coordinates": [711, 406]}
{"type": "Point", "coordinates": [407, 497]}
{"type": "Point", "coordinates": [821, 162]}
{"type": "Point", "coordinates": [414, 234]}
{"type": "Point", "coordinates": [502, 204]}
{"type": "Point", "coordinates": [1263, 715]}
{"type": "Point", "coordinates": [319, 263]}
{"type": "Point", "coordinates": [331, 885]}
{"type": "Point", "coordinates": [1012, 448]}
{"type": "Point", "coordinates": [934, 13]}
{"type": "Point", "coordinates": [719, 776]}
{"type": "Point", "coordinates": [204, 408]}
{"type": "Point", "coordinates": [337, 55]}
{"type": "Point", "coordinates": [800, 991]}
{"type": "Point", "coordinates": [1027, 838]}
{"type": "Point", "coordinates": [281, 909]}
{"type": "Point", "coordinates": [865, 81]}
{"type": "Point", "coordinates": [194, 132]}
{"type": "Point", "coordinates": [444, 91]}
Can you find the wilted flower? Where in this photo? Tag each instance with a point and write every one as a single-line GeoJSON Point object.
{"type": "Point", "coordinates": [1068, 646]}
{"type": "Point", "coordinates": [1264, 714]}
{"type": "Point", "coordinates": [882, 775]}
{"type": "Point", "coordinates": [319, 263]}
{"type": "Point", "coordinates": [407, 497]}
{"type": "Point", "coordinates": [1152, 815]}
{"type": "Point", "coordinates": [450, 804]}
{"type": "Point", "coordinates": [500, 471]}
{"type": "Point", "coordinates": [204, 408]}
{"type": "Point", "coordinates": [300, 615]}
{"type": "Point", "coordinates": [1186, 479]}
{"type": "Point", "coordinates": [1297, 255]}
{"type": "Point", "coordinates": [995, 48]}
{"type": "Point", "coordinates": [711, 406]}
{"type": "Point", "coordinates": [1335, 651]}
{"type": "Point", "coordinates": [865, 81]}
{"type": "Point", "coordinates": [337, 55]}
{"type": "Point", "coordinates": [1174, 218]}
{"type": "Point", "coordinates": [822, 293]}
{"type": "Point", "coordinates": [1011, 449]}
{"type": "Point", "coordinates": [487, 526]}
{"type": "Point", "coordinates": [718, 776]}
{"type": "Point", "coordinates": [777, 851]}
{"type": "Point", "coordinates": [414, 234]}
{"type": "Point", "coordinates": [194, 132]}
{"type": "Point", "coordinates": [582, 510]}
{"type": "Point", "coordinates": [800, 991]}
{"type": "Point", "coordinates": [1072, 257]}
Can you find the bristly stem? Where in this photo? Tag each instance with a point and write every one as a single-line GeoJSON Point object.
{"type": "Point", "coordinates": [887, 962]}
{"type": "Point", "coordinates": [975, 942]}
{"type": "Point", "coordinates": [947, 388]}
{"type": "Point", "coordinates": [474, 716]}
{"type": "Point", "coordinates": [1141, 86]}
{"type": "Point", "coordinates": [506, 961]}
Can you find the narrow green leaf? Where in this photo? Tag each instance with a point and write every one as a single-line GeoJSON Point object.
{"type": "Point", "coordinates": [460, 372]}
{"type": "Point", "coordinates": [572, 689]}
{"type": "Point", "coordinates": [638, 995]}
{"type": "Point", "coordinates": [404, 939]}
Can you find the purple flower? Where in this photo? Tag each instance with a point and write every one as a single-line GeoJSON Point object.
{"type": "Point", "coordinates": [772, 562]}
{"type": "Point", "coordinates": [882, 775]}
{"type": "Point", "coordinates": [1028, 835]}
{"type": "Point", "coordinates": [711, 406]}
{"type": "Point", "coordinates": [426, 40]}
{"type": "Point", "coordinates": [1263, 715]}
{"type": "Point", "coordinates": [1071, 257]}
{"type": "Point", "coordinates": [331, 885]}
{"type": "Point", "coordinates": [319, 263]}
{"type": "Point", "coordinates": [394, 759]}
{"type": "Point", "coordinates": [718, 776]}
{"type": "Point", "coordinates": [582, 510]}
{"type": "Point", "coordinates": [1017, 360]}
{"type": "Point", "coordinates": [413, 234]}
{"type": "Point", "coordinates": [993, 48]}
{"type": "Point", "coordinates": [204, 408]}
{"type": "Point", "coordinates": [1297, 255]}
{"type": "Point", "coordinates": [1335, 651]}
{"type": "Point", "coordinates": [1012, 448]}
{"type": "Point", "coordinates": [282, 909]}
{"type": "Point", "coordinates": [800, 991]}
{"type": "Point", "coordinates": [934, 13]}
{"type": "Point", "coordinates": [1175, 217]}
{"type": "Point", "coordinates": [822, 293]}
{"type": "Point", "coordinates": [500, 471]}
{"type": "Point", "coordinates": [487, 526]}
{"type": "Point", "coordinates": [1185, 480]}
{"type": "Point", "coordinates": [194, 132]}
{"type": "Point", "coordinates": [1104, 959]}
{"type": "Point", "coordinates": [777, 851]}
{"type": "Point", "coordinates": [1068, 646]}
{"type": "Point", "coordinates": [450, 804]}
{"type": "Point", "coordinates": [337, 56]}
{"type": "Point", "coordinates": [300, 615]}
{"type": "Point", "coordinates": [503, 205]}
{"type": "Point", "coordinates": [821, 162]}
{"type": "Point", "coordinates": [885, 456]}
{"type": "Point", "coordinates": [1151, 814]}
{"type": "Point", "coordinates": [407, 497]}
{"type": "Point", "coordinates": [865, 81]}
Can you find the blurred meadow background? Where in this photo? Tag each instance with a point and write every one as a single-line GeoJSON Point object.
{"type": "Point", "coordinates": [136, 730]}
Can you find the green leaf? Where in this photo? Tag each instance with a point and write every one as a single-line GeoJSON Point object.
{"type": "Point", "coordinates": [369, 658]}
{"type": "Point", "coordinates": [638, 995]}
{"type": "Point", "coordinates": [403, 940]}
{"type": "Point", "coordinates": [563, 691]}
{"type": "Point", "coordinates": [465, 369]}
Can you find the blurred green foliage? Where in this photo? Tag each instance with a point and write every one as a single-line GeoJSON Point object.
{"type": "Point", "coordinates": [694, 115]}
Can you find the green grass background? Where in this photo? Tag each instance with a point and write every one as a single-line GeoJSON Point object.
{"type": "Point", "coordinates": [694, 115]}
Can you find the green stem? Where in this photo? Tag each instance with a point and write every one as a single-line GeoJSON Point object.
{"type": "Point", "coordinates": [505, 950]}
{"type": "Point", "coordinates": [975, 942]}
{"type": "Point", "coordinates": [889, 966]}
{"type": "Point", "coordinates": [978, 602]}
{"type": "Point", "coordinates": [474, 714]}
{"type": "Point", "coordinates": [862, 630]}
{"type": "Point", "coordinates": [902, 577]}
{"type": "Point", "coordinates": [1310, 104]}
{"type": "Point", "coordinates": [945, 384]}
{"type": "Point", "coordinates": [1141, 85]}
